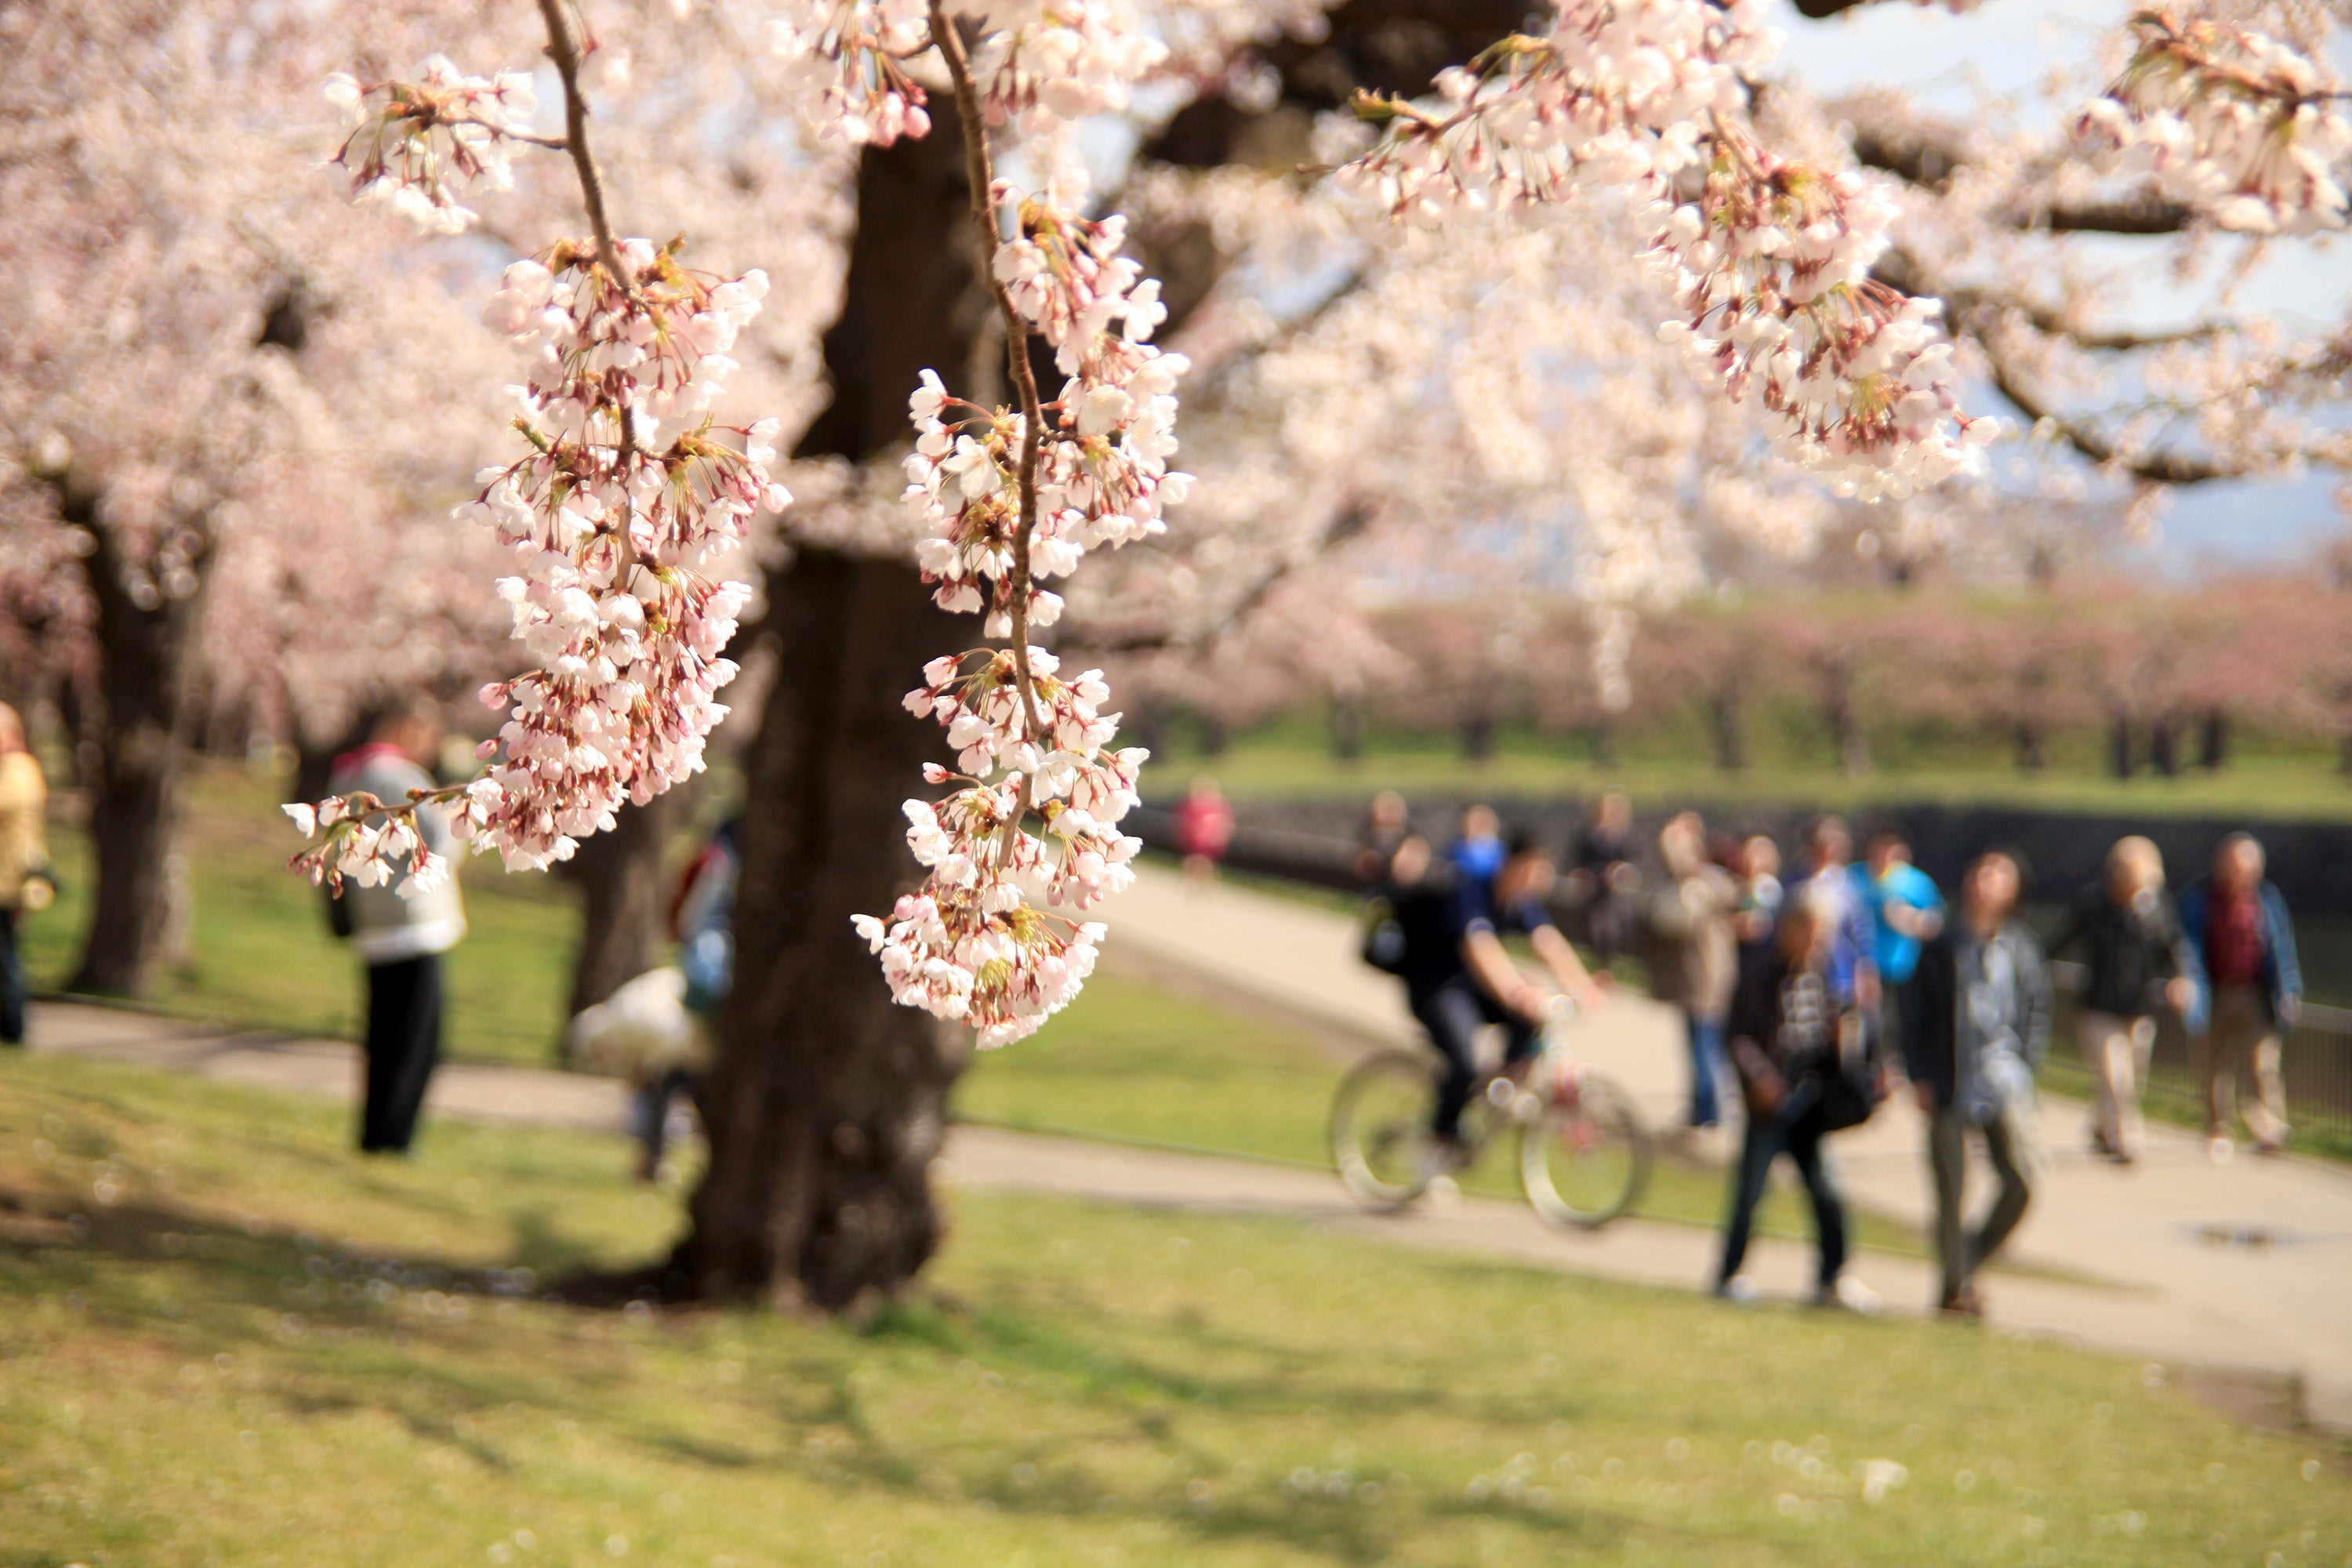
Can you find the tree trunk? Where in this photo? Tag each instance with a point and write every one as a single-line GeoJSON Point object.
{"type": "Point", "coordinates": [1347, 728]}
{"type": "Point", "coordinates": [2032, 745]}
{"type": "Point", "coordinates": [829, 1102]}
{"type": "Point", "coordinates": [146, 647]}
{"type": "Point", "coordinates": [1479, 738]}
{"type": "Point", "coordinates": [2164, 745]}
{"type": "Point", "coordinates": [2120, 760]}
{"type": "Point", "coordinates": [1845, 724]}
{"type": "Point", "coordinates": [1726, 722]}
{"type": "Point", "coordinates": [2214, 747]}
{"type": "Point", "coordinates": [1214, 737]}
{"type": "Point", "coordinates": [619, 875]}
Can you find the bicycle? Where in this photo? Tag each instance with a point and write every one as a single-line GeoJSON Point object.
{"type": "Point", "coordinates": [1584, 1152]}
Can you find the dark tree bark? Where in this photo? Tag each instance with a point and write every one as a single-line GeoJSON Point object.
{"type": "Point", "coordinates": [1216, 736]}
{"type": "Point", "coordinates": [1347, 728]}
{"type": "Point", "coordinates": [827, 1102]}
{"type": "Point", "coordinates": [1838, 708]}
{"type": "Point", "coordinates": [2213, 743]}
{"type": "Point", "coordinates": [2121, 761]}
{"type": "Point", "coordinates": [146, 648]}
{"type": "Point", "coordinates": [2164, 745]}
{"type": "Point", "coordinates": [619, 875]}
{"type": "Point", "coordinates": [1478, 737]}
{"type": "Point", "coordinates": [1727, 724]}
{"type": "Point", "coordinates": [2032, 748]}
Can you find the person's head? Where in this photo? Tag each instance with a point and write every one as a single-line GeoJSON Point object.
{"type": "Point", "coordinates": [1994, 882]}
{"type": "Point", "coordinates": [1202, 787]}
{"type": "Point", "coordinates": [1807, 929]}
{"type": "Point", "coordinates": [11, 730]}
{"type": "Point", "coordinates": [1887, 850]}
{"type": "Point", "coordinates": [1615, 810]}
{"type": "Point", "coordinates": [1760, 856]}
{"type": "Point", "coordinates": [1528, 871]}
{"type": "Point", "coordinates": [414, 725]}
{"type": "Point", "coordinates": [2135, 866]}
{"type": "Point", "coordinates": [1409, 863]}
{"type": "Point", "coordinates": [1682, 843]}
{"type": "Point", "coordinates": [1388, 811]}
{"type": "Point", "coordinates": [1480, 822]}
{"type": "Point", "coordinates": [1830, 843]}
{"type": "Point", "coordinates": [2237, 863]}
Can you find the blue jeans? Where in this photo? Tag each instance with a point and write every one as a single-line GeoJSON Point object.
{"type": "Point", "coordinates": [1795, 1131]}
{"type": "Point", "coordinates": [1707, 1068]}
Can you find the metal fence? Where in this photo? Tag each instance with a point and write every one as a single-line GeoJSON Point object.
{"type": "Point", "coordinates": [2315, 1059]}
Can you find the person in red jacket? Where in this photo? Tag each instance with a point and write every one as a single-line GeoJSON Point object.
{"type": "Point", "coordinates": [1204, 828]}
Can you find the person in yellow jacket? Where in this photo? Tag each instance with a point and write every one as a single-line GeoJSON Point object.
{"type": "Point", "coordinates": [25, 884]}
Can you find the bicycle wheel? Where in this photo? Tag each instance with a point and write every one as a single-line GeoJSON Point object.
{"type": "Point", "coordinates": [1379, 1129]}
{"type": "Point", "coordinates": [1586, 1160]}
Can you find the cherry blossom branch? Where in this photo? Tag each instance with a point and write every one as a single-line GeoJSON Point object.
{"type": "Point", "coordinates": [565, 53]}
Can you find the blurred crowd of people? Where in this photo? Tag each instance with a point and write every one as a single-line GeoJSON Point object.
{"type": "Point", "coordinates": [1808, 991]}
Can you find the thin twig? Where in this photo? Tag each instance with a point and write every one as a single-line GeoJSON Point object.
{"type": "Point", "coordinates": [565, 53]}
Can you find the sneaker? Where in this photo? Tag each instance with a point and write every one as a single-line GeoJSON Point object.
{"type": "Point", "coordinates": [1849, 1295]}
{"type": "Point", "coordinates": [1739, 1290]}
{"type": "Point", "coordinates": [2219, 1149]}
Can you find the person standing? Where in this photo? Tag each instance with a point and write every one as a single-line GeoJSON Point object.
{"type": "Point", "coordinates": [1905, 909]}
{"type": "Point", "coordinates": [1478, 851]}
{"type": "Point", "coordinates": [1788, 1028]}
{"type": "Point", "coordinates": [1605, 875]}
{"type": "Point", "coordinates": [1697, 956]}
{"type": "Point", "coordinates": [1388, 821]}
{"type": "Point", "coordinates": [2249, 988]}
{"type": "Point", "coordinates": [26, 886]}
{"type": "Point", "coordinates": [1759, 874]}
{"type": "Point", "coordinates": [401, 940]}
{"type": "Point", "coordinates": [1854, 943]}
{"type": "Point", "coordinates": [1984, 1028]}
{"type": "Point", "coordinates": [2132, 945]}
{"type": "Point", "coordinates": [1204, 828]}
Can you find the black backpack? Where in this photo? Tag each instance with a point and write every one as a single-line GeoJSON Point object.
{"type": "Point", "coordinates": [1384, 946]}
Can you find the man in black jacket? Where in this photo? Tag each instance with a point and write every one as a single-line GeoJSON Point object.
{"type": "Point", "coordinates": [2135, 949]}
{"type": "Point", "coordinates": [1984, 1013]}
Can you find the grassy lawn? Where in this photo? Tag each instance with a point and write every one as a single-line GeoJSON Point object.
{"type": "Point", "coordinates": [227, 1341]}
{"type": "Point", "coordinates": [1129, 1060]}
{"type": "Point", "coordinates": [263, 955]}
{"type": "Point", "coordinates": [1290, 760]}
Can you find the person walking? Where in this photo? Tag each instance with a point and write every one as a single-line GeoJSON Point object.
{"type": "Point", "coordinates": [2135, 950]}
{"type": "Point", "coordinates": [27, 884]}
{"type": "Point", "coordinates": [1477, 852]}
{"type": "Point", "coordinates": [1984, 1028]}
{"type": "Point", "coordinates": [1696, 959]}
{"type": "Point", "coordinates": [1204, 828]}
{"type": "Point", "coordinates": [1854, 943]}
{"type": "Point", "coordinates": [1905, 909]}
{"type": "Point", "coordinates": [1605, 876]}
{"type": "Point", "coordinates": [1788, 1029]}
{"type": "Point", "coordinates": [1386, 822]}
{"type": "Point", "coordinates": [1760, 893]}
{"type": "Point", "coordinates": [401, 940]}
{"type": "Point", "coordinates": [2249, 989]}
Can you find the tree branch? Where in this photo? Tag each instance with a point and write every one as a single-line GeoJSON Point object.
{"type": "Point", "coordinates": [565, 52]}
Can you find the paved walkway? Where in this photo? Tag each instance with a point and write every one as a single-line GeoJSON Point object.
{"type": "Point", "coordinates": [2163, 1285]}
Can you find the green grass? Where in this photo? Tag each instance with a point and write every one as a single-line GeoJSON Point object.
{"type": "Point", "coordinates": [227, 1340]}
{"type": "Point", "coordinates": [1131, 1060]}
{"type": "Point", "coordinates": [1290, 760]}
{"type": "Point", "coordinates": [263, 955]}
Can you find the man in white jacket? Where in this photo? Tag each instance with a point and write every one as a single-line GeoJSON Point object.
{"type": "Point", "coordinates": [401, 940]}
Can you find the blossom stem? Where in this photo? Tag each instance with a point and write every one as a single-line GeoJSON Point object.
{"type": "Point", "coordinates": [564, 51]}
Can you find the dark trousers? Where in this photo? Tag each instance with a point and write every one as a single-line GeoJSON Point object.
{"type": "Point", "coordinates": [653, 1101]}
{"type": "Point", "coordinates": [1453, 1014]}
{"type": "Point", "coordinates": [1795, 1131]}
{"type": "Point", "coordinates": [12, 983]}
{"type": "Point", "coordinates": [403, 1046]}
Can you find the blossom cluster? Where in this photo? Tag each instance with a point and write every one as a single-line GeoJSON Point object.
{"type": "Point", "coordinates": [1005, 510]}
{"type": "Point", "coordinates": [1031, 746]}
{"type": "Point", "coordinates": [368, 851]}
{"type": "Point", "coordinates": [622, 515]}
{"type": "Point", "coordinates": [844, 61]}
{"type": "Point", "coordinates": [2240, 127]}
{"type": "Point", "coordinates": [413, 144]}
{"type": "Point", "coordinates": [1769, 263]}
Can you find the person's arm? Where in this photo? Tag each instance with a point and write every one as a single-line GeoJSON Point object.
{"type": "Point", "coordinates": [2178, 964]}
{"type": "Point", "coordinates": [1491, 967]}
{"type": "Point", "coordinates": [2035, 1002]}
{"type": "Point", "coordinates": [2284, 960]}
{"type": "Point", "coordinates": [2192, 962]}
{"type": "Point", "coordinates": [1567, 968]}
{"type": "Point", "coordinates": [2073, 926]}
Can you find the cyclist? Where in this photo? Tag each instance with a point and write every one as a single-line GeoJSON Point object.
{"type": "Point", "coordinates": [1457, 976]}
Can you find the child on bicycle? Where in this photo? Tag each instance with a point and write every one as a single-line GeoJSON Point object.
{"type": "Point", "coordinates": [1458, 976]}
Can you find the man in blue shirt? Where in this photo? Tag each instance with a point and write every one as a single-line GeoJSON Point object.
{"type": "Point", "coordinates": [1853, 941]}
{"type": "Point", "coordinates": [1459, 977]}
{"type": "Point", "coordinates": [1905, 909]}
